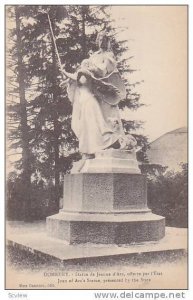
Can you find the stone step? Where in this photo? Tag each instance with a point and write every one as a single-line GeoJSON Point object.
{"type": "Point", "coordinates": [106, 229]}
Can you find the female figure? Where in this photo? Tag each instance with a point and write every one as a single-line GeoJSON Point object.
{"type": "Point", "coordinates": [95, 91]}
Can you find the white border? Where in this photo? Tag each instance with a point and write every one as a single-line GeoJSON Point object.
{"type": "Point", "coordinates": [62, 294]}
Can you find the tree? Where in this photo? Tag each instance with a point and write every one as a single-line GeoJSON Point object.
{"type": "Point", "coordinates": [21, 111]}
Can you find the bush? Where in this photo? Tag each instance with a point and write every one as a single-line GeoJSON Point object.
{"type": "Point", "coordinates": [168, 194]}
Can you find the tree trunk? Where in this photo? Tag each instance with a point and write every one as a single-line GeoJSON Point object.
{"type": "Point", "coordinates": [26, 175]}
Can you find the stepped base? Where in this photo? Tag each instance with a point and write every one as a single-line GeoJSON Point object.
{"type": "Point", "coordinates": [108, 228]}
{"type": "Point", "coordinates": [109, 161]}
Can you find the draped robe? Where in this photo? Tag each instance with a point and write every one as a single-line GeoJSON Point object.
{"type": "Point", "coordinates": [95, 118]}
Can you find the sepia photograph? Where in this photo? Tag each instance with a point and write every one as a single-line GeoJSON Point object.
{"type": "Point", "coordinates": [96, 147]}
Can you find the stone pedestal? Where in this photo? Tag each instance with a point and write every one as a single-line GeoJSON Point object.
{"type": "Point", "coordinates": [108, 208]}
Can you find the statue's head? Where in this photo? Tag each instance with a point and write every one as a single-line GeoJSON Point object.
{"type": "Point", "coordinates": [103, 40]}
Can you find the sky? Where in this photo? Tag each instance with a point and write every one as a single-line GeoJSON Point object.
{"type": "Point", "coordinates": [157, 37]}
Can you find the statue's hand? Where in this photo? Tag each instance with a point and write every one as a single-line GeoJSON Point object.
{"type": "Point", "coordinates": [127, 142]}
{"type": "Point", "coordinates": [63, 83]}
{"type": "Point", "coordinates": [60, 66]}
{"type": "Point", "coordinates": [63, 67]}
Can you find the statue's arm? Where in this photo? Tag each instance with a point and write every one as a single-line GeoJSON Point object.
{"type": "Point", "coordinates": [72, 76]}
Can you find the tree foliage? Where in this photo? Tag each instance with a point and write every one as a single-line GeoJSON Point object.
{"type": "Point", "coordinates": [168, 194]}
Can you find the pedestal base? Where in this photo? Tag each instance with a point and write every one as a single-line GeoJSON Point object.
{"type": "Point", "coordinates": [105, 202]}
{"type": "Point", "coordinates": [120, 228]}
